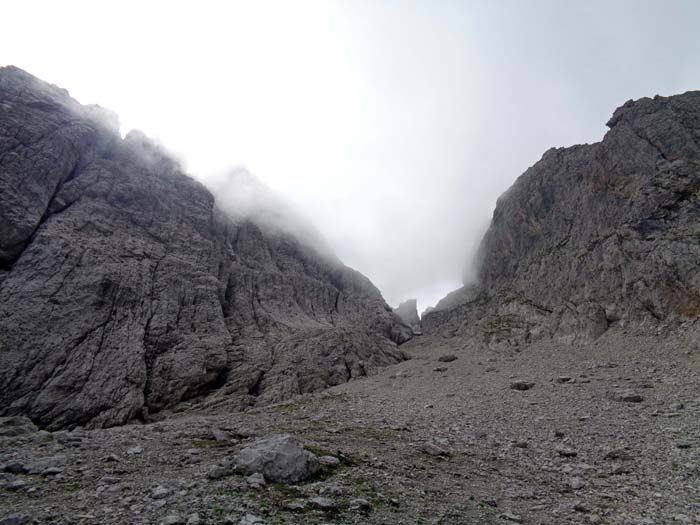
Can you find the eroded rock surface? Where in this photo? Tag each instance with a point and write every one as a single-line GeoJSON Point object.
{"type": "Point", "coordinates": [594, 235]}
{"type": "Point", "coordinates": [124, 290]}
{"type": "Point", "coordinates": [408, 312]}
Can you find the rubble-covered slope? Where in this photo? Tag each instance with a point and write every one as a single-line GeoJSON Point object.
{"type": "Point", "coordinates": [123, 289]}
{"type": "Point", "coordinates": [594, 235]}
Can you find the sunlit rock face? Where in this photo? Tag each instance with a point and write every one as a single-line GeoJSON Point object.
{"type": "Point", "coordinates": [594, 235]}
{"type": "Point", "coordinates": [125, 290]}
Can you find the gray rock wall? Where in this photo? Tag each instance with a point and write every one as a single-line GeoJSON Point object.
{"type": "Point", "coordinates": [123, 290]}
{"type": "Point", "coordinates": [594, 235]}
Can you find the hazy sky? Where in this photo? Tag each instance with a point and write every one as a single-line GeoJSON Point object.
{"type": "Point", "coordinates": [392, 125]}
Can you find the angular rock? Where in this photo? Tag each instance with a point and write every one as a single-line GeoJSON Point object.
{"type": "Point", "coordinates": [521, 385]}
{"type": "Point", "coordinates": [322, 503]}
{"type": "Point", "coordinates": [256, 481]}
{"type": "Point", "coordinates": [329, 461]}
{"type": "Point", "coordinates": [626, 396]}
{"type": "Point", "coordinates": [38, 466]}
{"type": "Point", "coordinates": [160, 492]}
{"type": "Point", "coordinates": [359, 504]}
{"type": "Point", "coordinates": [16, 426]}
{"type": "Point", "coordinates": [279, 459]}
{"type": "Point", "coordinates": [16, 519]}
{"type": "Point", "coordinates": [251, 519]}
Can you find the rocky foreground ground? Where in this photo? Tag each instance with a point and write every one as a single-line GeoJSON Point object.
{"type": "Point", "coordinates": [607, 432]}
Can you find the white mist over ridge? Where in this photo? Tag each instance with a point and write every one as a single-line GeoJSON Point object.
{"type": "Point", "coordinates": [393, 127]}
{"type": "Point", "coordinates": [242, 196]}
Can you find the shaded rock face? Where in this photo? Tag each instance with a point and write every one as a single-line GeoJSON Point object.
{"type": "Point", "coordinates": [408, 312]}
{"type": "Point", "coordinates": [594, 235]}
{"type": "Point", "coordinates": [123, 289]}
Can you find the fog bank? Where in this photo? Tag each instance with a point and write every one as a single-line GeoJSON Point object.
{"type": "Point", "coordinates": [390, 126]}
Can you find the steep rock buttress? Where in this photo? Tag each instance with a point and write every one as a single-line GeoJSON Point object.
{"type": "Point", "coordinates": [123, 289]}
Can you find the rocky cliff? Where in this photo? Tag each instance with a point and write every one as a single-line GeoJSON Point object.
{"type": "Point", "coordinates": [594, 235]}
{"type": "Point", "coordinates": [124, 290]}
{"type": "Point", "coordinates": [408, 312]}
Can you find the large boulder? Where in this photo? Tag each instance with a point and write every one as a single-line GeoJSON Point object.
{"type": "Point", "coordinates": [594, 235]}
{"type": "Point", "coordinates": [125, 289]}
{"type": "Point", "coordinates": [278, 458]}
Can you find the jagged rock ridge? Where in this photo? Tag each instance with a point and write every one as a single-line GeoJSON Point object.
{"type": "Point", "coordinates": [123, 289]}
{"type": "Point", "coordinates": [408, 312]}
{"type": "Point", "coordinates": [594, 235]}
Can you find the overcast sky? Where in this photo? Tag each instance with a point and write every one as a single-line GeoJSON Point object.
{"type": "Point", "coordinates": [392, 125]}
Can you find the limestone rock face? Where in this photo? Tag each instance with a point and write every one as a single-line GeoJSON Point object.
{"type": "Point", "coordinates": [408, 312]}
{"type": "Point", "coordinates": [594, 235]}
{"type": "Point", "coordinates": [124, 290]}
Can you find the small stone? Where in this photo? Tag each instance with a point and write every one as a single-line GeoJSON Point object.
{"type": "Point", "coordinates": [251, 519]}
{"type": "Point", "coordinates": [219, 435]}
{"type": "Point", "coordinates": [581, 507]}
{"type": "Point", "coordinates": [172, 519]}
{"type": "Point", "coordinates": [521, 385]}
{"type": "Point", "coordinates": [40, 465]}
{"type": "Point", "coordinates": [219, 471]}
{"type": "Point", "coordinates": [15, 519]}
{"type": "Point", "coordinates": [520, 444]}
{"type": "Point", "coordinates": [17, 484]}
{"type": "Point", "coordinates": [619, 470]}
{"type": "Point", "coordinates": [564, 379]}
{"type": "Point", "coordinates": [160, 492]}
{"type": "Point", "coordinates": [619, 454]}
{"type": "Point", "coordinates": [194, 519]}
{"type": "Point", "coordinates": [576, 483]}
{"type": "Point", "coordinates": [256, 480]}
{"type": "Point", "coordinates": [433, 449]}
{"type": "Point", "coordinates": [440, 369]}
{"type": "Point", "coordinates": [626, 396]}
{"type": "Point", "coordinates": [14, 468]}
{"type": "Point", "coordinates": [448, 358]}
{"type": "Point", "coordinates": [322, 503]}
{"type": "Point", "coordinates": [134, 450]}
{"type": "Point", "coordinates": [108, 480]}
{"type": "Point", "coordinates": [295, 506]}
{"type": "Point", "coordinates": [566, 452]}
{"type": "Point", "coordinates": [329, 461]}
{"type": "Point", "coordinates": [359, 504]}
{"type": "Point", "coordinates": [509, 516]}
{"type": "Point", "coordinates": [683, 518]}
{"type": "Point", "coordinates": [51, 471]}
{"type": "Point", "coordinates": [13, 426]}
{"type": "Point", "coordinates": [334, 489]}
{"type": "Point", "coordinates": [676, 406]}
{"type": "Point", "coordinates": [683, 445]}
